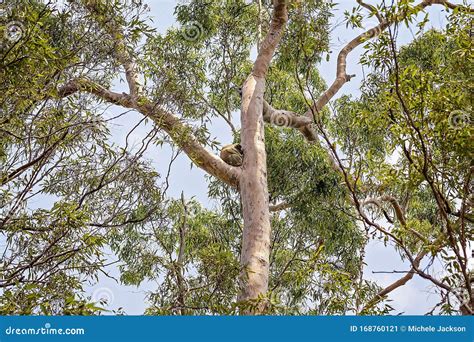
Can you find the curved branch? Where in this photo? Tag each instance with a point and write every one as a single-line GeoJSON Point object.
{"type": "Point", "coordinates": [285, 118]}
{"type": "Point", "coordinates": [179, 132]}
{"type": "Point", "coordinates": [99, 11]}
{"type": "Point", "coordinates": [400, 282]}
{"type": "Point", "coordinates": [399, 212]}
{"type": "Point", "coordinates": [371, 8]}
{"type": "Point", "coordinates": [341, 76]}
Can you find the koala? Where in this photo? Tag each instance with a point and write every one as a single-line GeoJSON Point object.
{"type": "Point", "coordinates": [232, 154]}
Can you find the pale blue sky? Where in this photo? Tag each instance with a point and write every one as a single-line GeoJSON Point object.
{"type": "Point", "coordinates": [413, 298]}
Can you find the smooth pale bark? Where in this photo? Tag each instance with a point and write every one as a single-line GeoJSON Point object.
{"type": "Point", "coordinates": [255, 254]}
{"type": "Point", "coordinates": [180, 132]}
{"type": "Point", "coordinates": [285, 118]}
{"type": "Point", "coordinates": [254, 193]}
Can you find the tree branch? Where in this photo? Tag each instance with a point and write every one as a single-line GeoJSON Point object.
{"type": "Point", "coordinates": [265, 53]}
{"type": "Point", "coordinates": [179, 132]}
{"type": "Point", "coordinates": [279, 207]}
{"type": "Point", "coordinates": [400, 282]}
{"type": "Point", "coordinates": [341, 76]}
{"type": "Point", "coordinates": [100, 10]}
{"type": "Point", "coordinates": [371, 8]}
{"type": "Point", "coordinates": [399, 212]}
{"type": "Point", "coordinates": [285, 118]}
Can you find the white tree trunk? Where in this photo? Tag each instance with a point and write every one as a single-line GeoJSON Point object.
{"type": "Point", "coordinates": [254, 193]}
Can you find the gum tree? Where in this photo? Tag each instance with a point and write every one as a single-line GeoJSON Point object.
{"type": "Point", "coordinates": [268, 50]}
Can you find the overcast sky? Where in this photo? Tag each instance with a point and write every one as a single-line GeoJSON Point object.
{"type": "Point", "coordinates": [413, 298]}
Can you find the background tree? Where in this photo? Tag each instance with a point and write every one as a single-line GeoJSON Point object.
{"type": "Point", "coordinates": [292, 222]}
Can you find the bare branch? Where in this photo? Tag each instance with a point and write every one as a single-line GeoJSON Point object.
{"type": "Point", "coordinates": [179, 132]}
{"type": "Point", "coordinates": [341, 76]}
{"type": "Point", "coordinates": [265, 53]}
{"type": "Point", "coordinates": [287, 118]}
{"type": "Point", "coordinates": [399, 212]}
{"type": "Point", "coordinates": [400, 282]}
{"type": "Point", "coordinates": [279, 207]}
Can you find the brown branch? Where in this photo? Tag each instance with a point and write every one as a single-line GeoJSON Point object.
{"type": "Point", "coordinates": [265, 53]}
{"type": "Point", "coordinates": [449, 5]}
{"type": "Point", "coordinates": [179, 265]}
{"type": "Point", "coordinates": [179, 132]}
{"type": "Point", "coordinates": [111, 26]}
{"type": "Point", "coordinates": [33, 262]}
{"type": "Point", "coordinates": [371, 8]}
{"type": "Point", "coordinates": [341, 76]}
{"type": "Point", "coordinates": [86, 85]}
{"type": "Point", "coordinates": [399, 212]}
{"type": "Point", "coordinates": [355, 201]}
{"type": "Point", "coordinates": [400, 282]}
{"type": "Point", "coordinates": [47, 152]}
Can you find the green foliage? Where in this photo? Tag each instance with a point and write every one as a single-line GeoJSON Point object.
{"type": "Point", "coordinates": [57, 151]}
{"type": "Point", "coordinates": [408, 135]}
